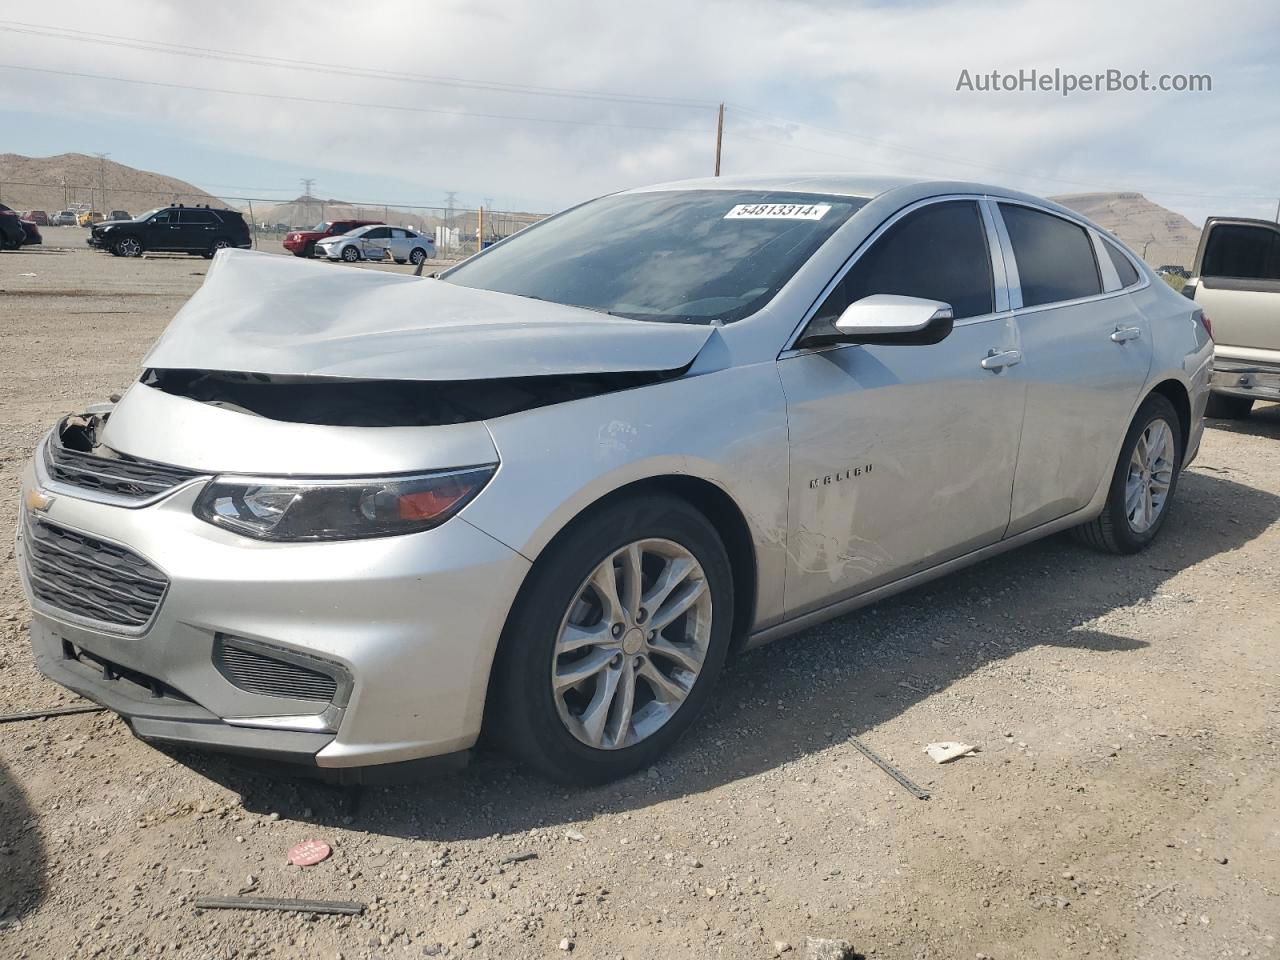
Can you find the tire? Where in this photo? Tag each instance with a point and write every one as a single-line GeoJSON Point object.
{"type": "Point", "coordinates": [222, 243]}
{"type": "Point", "coordinates": [416, 256]}
{"type": "Point", "coordinates": [350, 254]}
{"type": "Point", "coordinates": [401, 262]}
{"type": "Point", "coordinates": [301, 253]}
{"type": "Point", "coordinates": [128, 247]}
{"type": "Point", "coordinates": [1228, 408]}
{"type": "Point", "coordinates": [534, 721]}
{"type": "Point", "coordinates": [1119, 529]}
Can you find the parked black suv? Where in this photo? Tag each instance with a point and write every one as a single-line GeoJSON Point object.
{"type": "Point", "coordinates": [179, 229]}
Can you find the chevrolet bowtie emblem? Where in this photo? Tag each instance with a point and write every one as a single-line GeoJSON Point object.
{"type": "Point", "coordinates": [38, 501]}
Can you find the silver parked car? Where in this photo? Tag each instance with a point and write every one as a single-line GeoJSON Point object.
{"type": "Point", "coordinates": [351, 519]}
{"type": "Point", "coordinates": [377, 242]}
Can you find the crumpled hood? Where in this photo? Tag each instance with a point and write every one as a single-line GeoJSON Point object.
{"type": "Point", "coordinates": [262, 313]}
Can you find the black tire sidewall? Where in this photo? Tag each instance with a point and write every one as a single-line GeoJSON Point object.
{"type": "Point", "coordinates": [525, 704]}
{"type": "Point", "coordinates": [1156, 406]}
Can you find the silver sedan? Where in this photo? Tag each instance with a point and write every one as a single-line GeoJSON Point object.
{"type": "Point", "coordinates": [402, 244]}
{"type": "Point", "coordinates": [350, 519]}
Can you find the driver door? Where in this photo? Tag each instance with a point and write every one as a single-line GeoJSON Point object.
{"type": "Point", "coordinates": [902, 457]}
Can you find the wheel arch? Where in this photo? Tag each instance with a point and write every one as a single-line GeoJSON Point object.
{"type": "Point", "coordinates": [1176, 392]}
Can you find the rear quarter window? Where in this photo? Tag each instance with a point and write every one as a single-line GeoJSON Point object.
{"type": "Point", "coordinates": [1127, 271]}
{"type": "Point", "coordinates": [1054, 256]}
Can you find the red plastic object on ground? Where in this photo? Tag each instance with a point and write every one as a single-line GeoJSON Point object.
{"type": "Point", "coordinates": [309, 853]}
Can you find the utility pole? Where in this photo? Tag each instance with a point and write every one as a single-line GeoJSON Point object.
{"type": "Point", "coordinates": [450, 198]}
{"type": "Point", "coordinates": [102, 180]}
{"type": "Point", "coordinates": [719, 136]}
{"type": "Point", "coordinates": [307, 183]}
{"type": "Point", "coordinates": [1278, 211]}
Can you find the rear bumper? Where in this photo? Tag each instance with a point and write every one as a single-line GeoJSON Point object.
{"type": "Point", "coordinates": [1244, 378]}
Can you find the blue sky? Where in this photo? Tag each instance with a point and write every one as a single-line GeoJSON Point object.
{"type": "Point", "coordinates": [809, 85]}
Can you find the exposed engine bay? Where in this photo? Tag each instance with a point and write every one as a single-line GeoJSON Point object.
{"type": "Point", "coordinates": [333, 401]}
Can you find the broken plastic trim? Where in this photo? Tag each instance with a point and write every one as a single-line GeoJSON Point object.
{"type": "Point", "coordinates": [338, 402]}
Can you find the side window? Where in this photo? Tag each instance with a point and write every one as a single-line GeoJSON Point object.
{"type": "Point", "coordinates": [164, 216]}
{"type": "Point", "coordinates": [1128, 272]}
{"type": "Point", "coordinates": [397, 234]}
{"type": "Point", "coordinates": [1244, 252]}
{"type": "Point", "coordinates": [939, 252]}
{"type": "Point", "coordinates": [196, 216]}
{"type": "Point", "coordinates": [378, 233]}
{"type": "Point", "coordinates": [1054, 256]}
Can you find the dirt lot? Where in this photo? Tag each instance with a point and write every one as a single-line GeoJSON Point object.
{"type": "Point", "coordinates": [1124, 802]}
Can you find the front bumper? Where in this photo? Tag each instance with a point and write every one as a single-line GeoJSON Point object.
{"type": "Point", "coordinates": [413, 620]}
{"type": "Point", "coordinates": [1244, 378]}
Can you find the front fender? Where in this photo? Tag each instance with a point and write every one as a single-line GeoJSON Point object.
{"type": "Point", "coordinates": [727, 427]}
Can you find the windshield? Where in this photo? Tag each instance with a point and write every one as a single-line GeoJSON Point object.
{"type": "Point", "coordinates": [321, 227]}
{"type": "Point", "coordinates": [150, 213]}
{"type": "Point", "coordinates": [691, 256]}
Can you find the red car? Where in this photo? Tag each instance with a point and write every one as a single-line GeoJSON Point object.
{"type": "Point", "coordinates": [302, 243]}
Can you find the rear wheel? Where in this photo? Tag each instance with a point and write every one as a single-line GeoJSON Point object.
{"type": "Point", "coordinates": [417, 256]}
{"type": "Point", "coordinates": [220, 244]}
{"type": "Point", "coordinates": [617, 639]}
{"type": "Point", "coordinates": [1143, 484]}
{"type": "Point", "coordinates": [1228, 408]}
{"type": "Point", "coordinates": [128, 247]}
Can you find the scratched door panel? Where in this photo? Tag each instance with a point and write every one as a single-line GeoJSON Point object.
{"type": "Point", "coordinates": [901, 457]}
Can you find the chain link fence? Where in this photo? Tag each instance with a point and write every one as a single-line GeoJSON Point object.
{"type": "Point", "coordinates": [457, 231]}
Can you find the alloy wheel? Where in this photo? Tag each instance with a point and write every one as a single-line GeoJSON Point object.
{"type": "Point", "coordinates": [632, 644]}
{"type": "Point", "coordinates": [129, 247]}
{"type": "Point", "coordinates": [417, 256]}
{"type": "Point", "coordinates": [350, 254]}
{"type": "Point", "coordinates": [1150, 475]}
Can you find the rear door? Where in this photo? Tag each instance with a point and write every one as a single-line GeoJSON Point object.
{"type": "Point", "coordinates": [902, 457]}
{"type": "Point", "coordinates": [199, 228]}
{"type": "Point", "coordinates": [1239, 286]}
{"type": "Point", "coordinates": [1087, 352]}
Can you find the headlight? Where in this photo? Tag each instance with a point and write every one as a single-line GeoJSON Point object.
{"type": "Point", "coordinates": [338, 509]}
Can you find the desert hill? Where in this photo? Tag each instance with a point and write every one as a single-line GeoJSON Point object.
{"type": "Point", "coordinates": [1167, 237]}
{"type": "Point", "coordinates": [55, 183]}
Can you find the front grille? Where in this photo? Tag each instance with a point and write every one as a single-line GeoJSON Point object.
{"type": "Point", "coordinates": [257, 673]}
{"type": "Point", "coordinates": [117, 474]}
{"type": "Point", "coordinates": [90, 578]}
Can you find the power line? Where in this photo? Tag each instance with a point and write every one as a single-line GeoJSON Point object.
{"type": "Point", "coordinates": [234, 56]}
{"type": "Point", "coordinates": [328, 102]}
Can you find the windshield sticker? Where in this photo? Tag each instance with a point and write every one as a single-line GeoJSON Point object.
{"type": "Point", "coordinates": [778, 211]}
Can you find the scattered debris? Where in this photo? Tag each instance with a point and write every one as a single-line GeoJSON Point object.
{"type": "Point", "coordinates": [518, 858]}
{"type": "Point", "coordinates": [575, 835]}
{"type": "Point", "coordinates": [816, 948]}
{"type": "Point", "coordinates": [51, 712]}
{"type": "Point", "coordinates": [26, 274]}
{"type": "Point", "coordinates": [309, 853]}
{"type": "Point", "coordinates": [1165, 889]}
{"type": "Point", "coordinates": [285, 904]}
{"type": "Point", "coordinates": [566, 944]}
{"type": "Point", "coordinates": [916, 791]}
{"type": "Point", "coordinates": [947, 750]}
{"type": "Point", "coordinates": [780, 947]}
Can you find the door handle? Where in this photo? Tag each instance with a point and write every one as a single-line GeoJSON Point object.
{"type": "Point", "coordinates": [998, 361]}
{"type": "Point", "coordinates": [1124, 334]}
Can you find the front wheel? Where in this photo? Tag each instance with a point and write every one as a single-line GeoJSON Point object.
{"type": "Point", "coordinates": [1143, 484]}
{"type": "Point", "coordinates": [1227, 407]}
{"type": "Point", "coordinates": [350, 254]}
{"type": "Point", "coordinates": [618, 637]}
{"type": "Point", "coordinates": [128, 247]}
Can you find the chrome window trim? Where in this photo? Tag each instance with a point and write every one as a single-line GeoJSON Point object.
{"type": "Point", "coordinates": [790, 348]}
{"type": "Point", "coordinates": [1015, 284]}
{"type": "Point", "coordinates": [1106, 269]}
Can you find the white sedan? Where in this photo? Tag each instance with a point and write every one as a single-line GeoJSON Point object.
{"type": "Point", "coordinates": [375, 243]}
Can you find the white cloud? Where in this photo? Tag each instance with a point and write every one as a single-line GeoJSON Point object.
{"type": "Point", "coordinates": [884, 74]}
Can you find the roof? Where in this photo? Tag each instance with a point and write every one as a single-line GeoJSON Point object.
{"type": "Point", "coordinates": [838, 184]}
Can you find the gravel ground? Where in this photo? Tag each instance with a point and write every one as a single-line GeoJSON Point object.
{"type": "Point", "coordinates": [1123, 802]}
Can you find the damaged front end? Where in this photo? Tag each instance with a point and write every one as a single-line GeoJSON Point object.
{"type": "Point", "coordinates": [336, 401]}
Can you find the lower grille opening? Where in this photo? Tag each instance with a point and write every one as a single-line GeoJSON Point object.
{"type": "Point", "coordinates": [276, 674]}
{"type": "Point", "coordinates": [117, 673]}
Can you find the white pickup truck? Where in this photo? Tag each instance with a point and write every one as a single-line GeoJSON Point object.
{"type": "Point", "coordinates": [1236, 280]}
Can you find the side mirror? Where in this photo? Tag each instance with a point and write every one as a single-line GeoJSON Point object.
{"type": "Point", "coordinates": [887, 318]}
